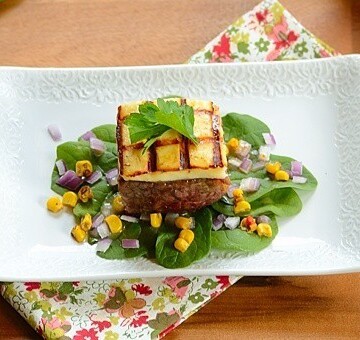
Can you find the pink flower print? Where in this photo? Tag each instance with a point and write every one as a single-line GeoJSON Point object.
{"type": "Point", "coordinates": [54, 323]}
{"type": "Point", "coordinates": [86, 334]}
{"type": "Point", "coordinates": [324, 54]}
{"type": "Point", "coordinates": [178, 284]}
{"type": "Point", "coordinates": [221, 51]}
{"type": "Point", "coordinates": [32, 285]}
{"type": "Point", "coordinates": [141, 289]}
{"type": "Point", "coordinates": [139, 319]}
{"type": "Point", "coordinates": [224, 281]}
{"type": "Point", "coordinates": [273, 55]}
{"type": "Point", "coordinates": [223, 47]}
{"type": "Point", "coordinates": [281, 36]}
{"type": "Point", "coordinates": [259, 20]}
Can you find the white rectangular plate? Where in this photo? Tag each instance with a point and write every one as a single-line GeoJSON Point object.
{"type": "Point", "coordinates": [312, 107]}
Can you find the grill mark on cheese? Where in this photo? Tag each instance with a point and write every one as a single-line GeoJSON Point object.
{"type": "Point", "coordinates": [152, 159]}
{"type": "Point", "coordinates": [217, 144]}
{"type": "Point", "coordinates": [119, 141]}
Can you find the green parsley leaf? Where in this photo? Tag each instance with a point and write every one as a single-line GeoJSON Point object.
{"type": "Point", "coordinates": [141, 128]}
{"type": "Point", "coordinates": [153, 120]}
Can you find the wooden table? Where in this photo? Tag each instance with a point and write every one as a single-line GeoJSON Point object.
{"type": "Point", "coordinates": [141, 32]}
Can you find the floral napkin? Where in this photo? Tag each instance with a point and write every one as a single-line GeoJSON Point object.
{"type": "Point", "coordinates": [151, 307]}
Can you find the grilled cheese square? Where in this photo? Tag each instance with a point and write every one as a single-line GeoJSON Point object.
{"type": "Point", "coordinates": [168, 157]}
{"type": "Point", "coordinates": [128, 108]}
{"type": "Point", "coordinates": [203, 125]}
{"type": "Point", "coordinates": [134, 162]}
{"type": "Point", "coordinates": [201, 155]}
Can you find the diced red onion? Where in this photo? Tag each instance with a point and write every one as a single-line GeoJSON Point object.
{"type": "Point", "coordinates": [218, 222]}
{"type": "Point", "coordinates": [296, 168]}
{"type": "Point", "coordinates": [245, 165]}
{"type": "Point", "coordinates": [269, 139]}
{"type": "Point", "coordinates": [299, 179]}
{"type": "Point", "coordinates": [232, 222]}
{"type": "Point", "coordinates": [145, 217]}
{"type": "Point", "coordinates": [94, 177]}
{"type": "Point", "coordinates": [263, 219]}
{"type": "Point", "coordinates": [264, 153]}
{"type": "Point", "coordinates": [87, 135]}
{"type": "Point", "coordinates": [170, 219]}
{"type": "Point", "coordinates": [97, 146]}
{"type": "Point", "coordinates": [258, 166]}
{"type": "Point", "coordinates": [61, 167]}
{"type": "Point", "coordinates": [112, 176]}
{"type": "Point", "coordinates": [234, 163]}
{"type": "Point", "coordinates": [231, 189]}
{"type": "Point", "coordinates": [54, 132]}
{"type": "Point", "coordinates": [243, 149]}
{"type": "Point", "coordinates": [97, 220]}
{"type": "Point", "coordinates": [250, 184]}
{"type": "Point", "coordinates": [128, 218]}
{"type": "Point", "coordinates": [70, 180]}
{"type": "Point", "coordinates": [106, 209]}
{"type": "Point", "coordinates": [103, 245]}
{"type": "Point", "coordinates": [103, 230]}
{"type": "Point", "coordinates": [130, 243]}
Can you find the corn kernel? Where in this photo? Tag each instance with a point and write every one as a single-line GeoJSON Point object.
{"type": "Point", "coordinates": [54, 204]}
{"type": "Point", "coordinates": [272, 168]}
{"type": "Point", "coordinates": [282, 175]}
{"type": "Point", "coordinates": [155, 220]}
{"type": "Point", "coordinates": [114, 223]}
{"type": "Point", "coordinates": [69, 199]}
{"type": "Point", "coordinates": [241, 206]}
{"type": "Point", "coordinates": [264, 229]}
{"type": "Point", "coordinates": [85, 194]}
{"type": "Point", "coordinates": [233, 144]}
{"type": "Point", "coordinates": [86, 222]}
{"type": "Point", "coordinates": [118, 205]}
{"type": "Point", "coordinates": [83, 168]}
{"type": "Point", "coordinates": [183, 222]}
{"type": "Point", "coordinates": [181, 245]}
{"type": "Point", "coordinates": [238, 194]}
{"type": "Point", "coordinates": [78, 234]}
{"type": "Point", "coordinates": [187, 235]}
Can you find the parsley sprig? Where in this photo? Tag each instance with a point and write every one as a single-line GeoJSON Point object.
{"type": "Point", "coordinates": [153, 120]}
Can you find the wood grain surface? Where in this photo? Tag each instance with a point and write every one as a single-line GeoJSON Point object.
{"type": "Point", "coordinates": [144, 32]}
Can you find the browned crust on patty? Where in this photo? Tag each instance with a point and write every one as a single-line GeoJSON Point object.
{"type": "Point", "coordinates": [173, 196]}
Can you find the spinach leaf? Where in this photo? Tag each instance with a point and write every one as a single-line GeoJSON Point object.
{"type": "Point", "coordinates": [71, 152]}
{"type": "Point", "coordinates": [244, 127]}
{"type": "Point", "coordinates": [281, 202]}
{"type": "Point", "coordinates": [117, 252]}
{"type": "Point", "coordinates": [169, 257]}
{"type": "Point", "coordinates": [239, 240]}
{"type": "Point", "coordinates": [107, 133]}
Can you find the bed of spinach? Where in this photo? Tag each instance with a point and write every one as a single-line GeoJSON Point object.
{"type": "Point", "coordinates": [273, 199]}
{"type": "Point", "coordinates": [71, 152]}
{"type": "Point", "coordinates": [169, 257]}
